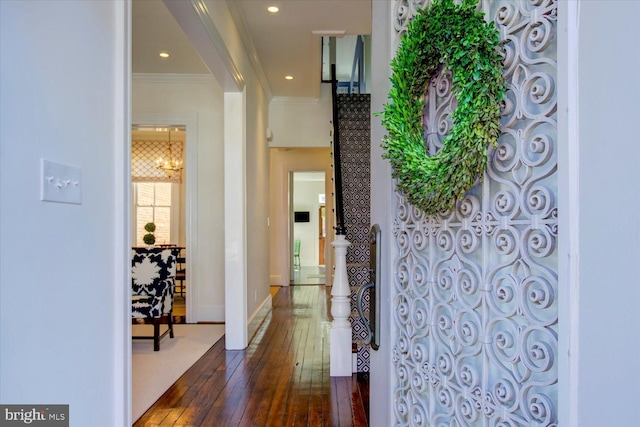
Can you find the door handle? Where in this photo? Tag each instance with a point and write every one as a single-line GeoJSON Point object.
{"type": "Point", "coordinates": [370, 327]}
{"type": "Point", "coordinates": [372, 324]}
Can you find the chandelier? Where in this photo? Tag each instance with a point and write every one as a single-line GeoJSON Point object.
{"type": "Point", "coordinates": [170, 164]}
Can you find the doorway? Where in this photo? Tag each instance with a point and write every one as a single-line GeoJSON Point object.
{"type": "Point", "coordinates": [158, 188]}
{"type": "Point", "coordinates": [308, 227]}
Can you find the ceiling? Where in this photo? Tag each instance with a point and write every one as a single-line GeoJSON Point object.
{"type": "Point", "coordinates": [285, 42]}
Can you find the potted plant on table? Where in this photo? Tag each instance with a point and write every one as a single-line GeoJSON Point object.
{"type": "Point", "coordinates": [149, 238]}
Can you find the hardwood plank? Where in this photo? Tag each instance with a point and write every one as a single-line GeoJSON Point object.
{"type": "Point", "coordinates": [280, 379]}
{"type": "Point", "coordinates": [358, 411]}
{"type": "Point", "coordinates": [184, 389]}
{"type": "Point", "coordinates": [363, 387]}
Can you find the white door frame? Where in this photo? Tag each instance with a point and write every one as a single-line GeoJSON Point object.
{"type": "Point", "coordinates": [568, 212]}
{"type": "Point", "coordinates": [122, 380]}
{"type": "Point", "coordinates": [190, 121]}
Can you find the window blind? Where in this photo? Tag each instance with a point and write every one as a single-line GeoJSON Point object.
{"type": "Point", "coordinates": [144, 154]}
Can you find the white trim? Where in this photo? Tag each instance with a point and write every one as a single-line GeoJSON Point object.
{"type": "Point", "coordinates": [172, 78]}
{"type": "Point", "coordinates": [258, 316]}
{"type": "Point", "coordinates": [235, 220]}
{"type": "Point", "coordinates": [176, 190]}
{"type": "Point", "coordinates": [121, 214]}
{"type": "Point", "coordinates": [191, 215]}
{"type": "Point", "coordinates": [190, 120]}
{"type": "Point", "coordinates": [383, 207]}
{"type": "Point", "coordinates": [291, 226]}
{"type": "Point", "coordinates": [287, 100]}
{"type": "Point", "coordinates": [224, 55]}
{"type": "Point", "coordinates": [286, 170]}
{"type": "Point", "coordinates": [568, 213]}
{"type": "Point", "coordinates": [252, 53]}
{"type": "Point", "coordinates": [194, 19]}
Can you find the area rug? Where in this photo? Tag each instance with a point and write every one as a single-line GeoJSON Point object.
{"type": "Point", "coordinates": [153, 372]}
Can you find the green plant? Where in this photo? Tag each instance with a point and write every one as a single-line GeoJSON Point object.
{"type": "Point", "coordinates": [149, 238]}
{"type": "Point", "coordinates": [457, 38]}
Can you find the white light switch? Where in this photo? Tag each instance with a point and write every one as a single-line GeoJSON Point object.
{"type": "Point", "coordinates": [60, 183]}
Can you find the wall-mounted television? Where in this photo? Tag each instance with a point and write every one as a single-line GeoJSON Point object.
{"type": "Point", "coordinates": [301, 216]}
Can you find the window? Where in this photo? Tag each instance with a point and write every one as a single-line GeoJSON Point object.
{"type": "Point", "coordinates": [153, 203]}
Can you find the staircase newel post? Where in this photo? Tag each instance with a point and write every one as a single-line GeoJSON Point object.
{"type": "Point", "coordinates": [340, 352]}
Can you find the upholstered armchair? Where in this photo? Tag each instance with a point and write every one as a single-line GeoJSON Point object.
{"type": "Point", "coordinates": [153, 273]}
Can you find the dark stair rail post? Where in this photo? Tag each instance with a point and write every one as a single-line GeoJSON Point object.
{"type": "Point", "coordinates": [337, 169]}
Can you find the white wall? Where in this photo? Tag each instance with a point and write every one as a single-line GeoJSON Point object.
{"type": "Point", "coordinates": [257, 197]}
{"type": "Point", "coordinates": [201, 96]}
{"type": "Point", "coordinates": [382, 207]}
{"type": "Point", "coordinates": [301, 122]}
{"type": "Point", "coordinates": [63, 267]}
{"type": "Point", "coordinates": [256, 162]}
{"type": "Point", "coordinates": [609, 191]}
{"type": "Point", "coordinates": [284, 161]}
{"type": "Point", "coordinates": [219, 43]}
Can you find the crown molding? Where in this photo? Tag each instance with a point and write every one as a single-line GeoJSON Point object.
{"type": "Point", "coordinates": [194, 18]}
{"type": "Point", "coordinates": [252, 53]}
{"type": "Point", "coordinates": [172, 78]}
{"type": "Point", "coordinates": [205, 18]}
{"type": "Point", "coordinates": [298, 100]}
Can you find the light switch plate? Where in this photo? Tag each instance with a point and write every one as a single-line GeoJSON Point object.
{"type": "Point", "coordinates": [60, 183]}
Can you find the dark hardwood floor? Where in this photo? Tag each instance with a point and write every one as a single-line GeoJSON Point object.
{"type": "Point", "coordinates": [281, 379]}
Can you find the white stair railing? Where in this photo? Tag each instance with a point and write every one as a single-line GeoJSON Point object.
{"type": "Point", "coordinates": [340, 364]}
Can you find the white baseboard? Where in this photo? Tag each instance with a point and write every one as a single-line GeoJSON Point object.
{"type": "Point", "coordinates": [258, 317]}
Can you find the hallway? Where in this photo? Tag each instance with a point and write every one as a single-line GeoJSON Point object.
{"type": "Point", "coordinates": [282, 378]}
{"type": "Point", "coordinates": [309, 275]}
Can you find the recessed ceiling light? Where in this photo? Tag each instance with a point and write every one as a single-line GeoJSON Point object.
{"type": "Point", "coordinates": [288, 77]}
{"type": "Point", "coordinates": [164, 54]}
{"type": "Point", "coordinates": [273, 9]}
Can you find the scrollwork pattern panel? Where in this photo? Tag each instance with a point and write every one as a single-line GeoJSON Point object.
{"type": "Point", "coordinates": [475, 290]}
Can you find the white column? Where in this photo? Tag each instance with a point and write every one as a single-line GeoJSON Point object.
{"type": "Point", "coordinates": [235, 221]}
{"type": "Point", "coordinates": [340, 364]}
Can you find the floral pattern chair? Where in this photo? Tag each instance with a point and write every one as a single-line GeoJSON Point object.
{"type": "Point", "coordinates": [153, 272]}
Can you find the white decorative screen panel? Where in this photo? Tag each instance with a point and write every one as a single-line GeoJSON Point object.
{"type": "Point", "coordinates": [475, 290]}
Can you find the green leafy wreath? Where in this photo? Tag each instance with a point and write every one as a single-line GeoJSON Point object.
{"type": "Point", "coordinates": [457, 38]}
